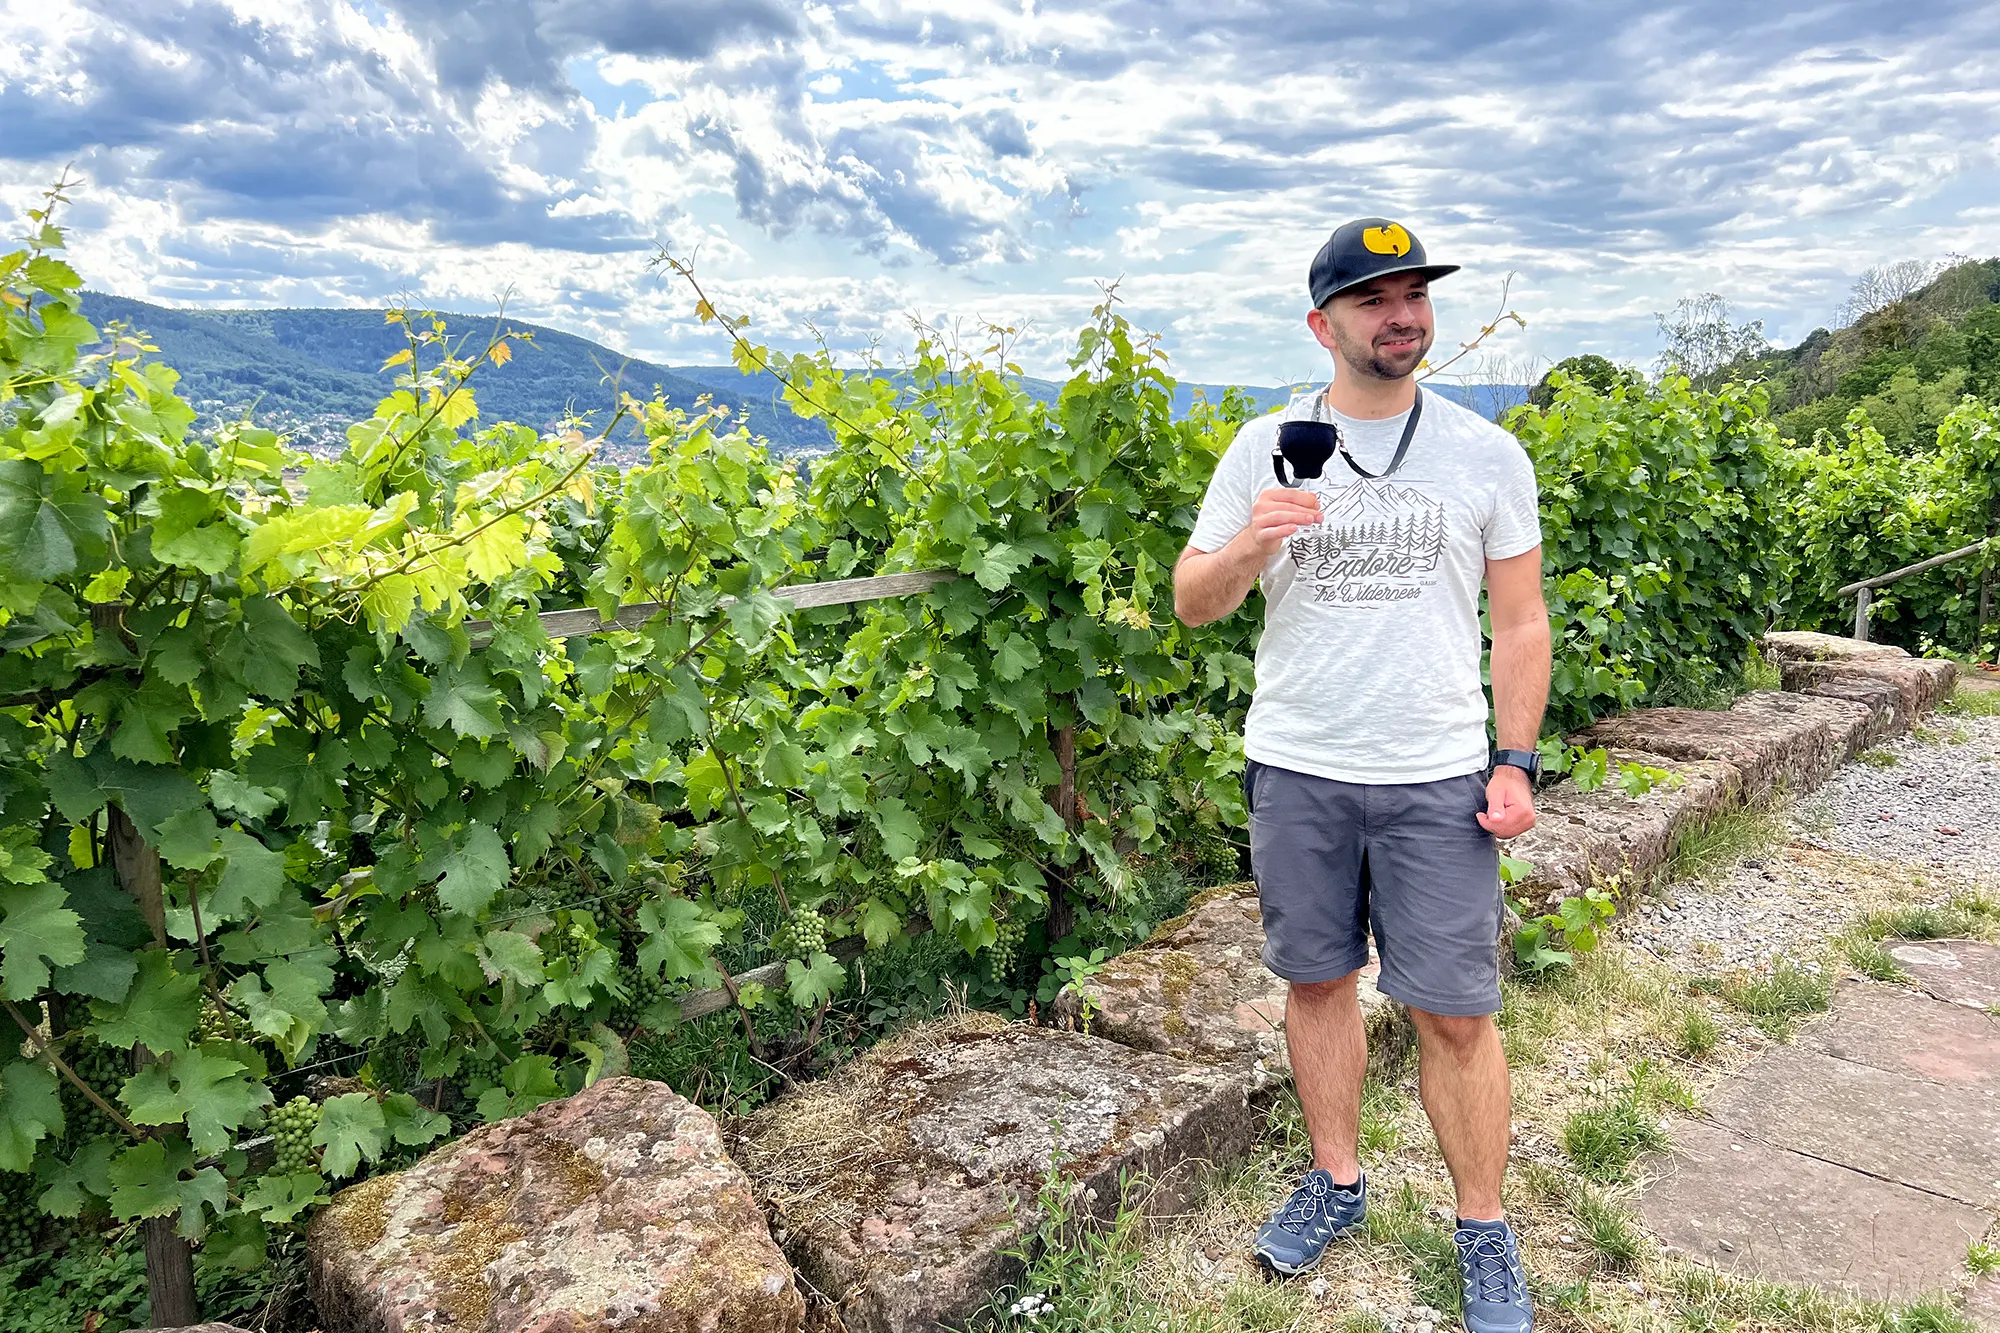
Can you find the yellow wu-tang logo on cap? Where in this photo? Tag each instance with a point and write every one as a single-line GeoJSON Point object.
{"type": "Point", "coordinates": [1389, 240]}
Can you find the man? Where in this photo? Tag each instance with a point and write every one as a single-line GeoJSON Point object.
{"type": "Point", "coordinates": [1372, 799]}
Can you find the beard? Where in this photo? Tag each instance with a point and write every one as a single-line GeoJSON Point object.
{"type": "Point", "coordinates": [1368, 358]}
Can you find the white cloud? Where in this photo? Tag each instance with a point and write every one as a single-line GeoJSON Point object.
{"type": "Point", "coordinates": [839, 168]}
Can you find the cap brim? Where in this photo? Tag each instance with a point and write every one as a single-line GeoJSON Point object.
{"type": "Point", "coordinates": [1429, 272]}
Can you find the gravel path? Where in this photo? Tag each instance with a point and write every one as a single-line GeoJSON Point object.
{"type": "Point", "coordinates": [1875, 835]}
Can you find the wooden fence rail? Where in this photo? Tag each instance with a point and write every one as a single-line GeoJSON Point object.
{"type": "Point", "coordinates": [835, 592]}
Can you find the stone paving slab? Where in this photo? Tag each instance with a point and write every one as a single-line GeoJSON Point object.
{"type": "Point", "coordinates": [1890, 1028]}
{"type": "Point", "coordinates": [901, 1181]}
{"type": "Point", "coordinates": [1936, 1137]}
{"type": "Point", "coordinates": [1982, 1303]}
{"type": "Point", "coordinates": [1743, 1206]}
{"type": "Point", "coordinates": [1963, 972]}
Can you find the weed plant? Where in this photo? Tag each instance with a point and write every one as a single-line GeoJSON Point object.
{"type": "Point", "coordinates": [1401, 1221]}
{"type": "Point", "coordinates": [1696, 1035]}
{"type": "Point", "coordinates": [1872, 959]}
{"type": "Point", "coordinates": [1776, 999]}
{"type": "Point", "coordinates": [1711, 848]}
{"type": "Point", "coordinates": [1879, 758]}
{"type": "Point", "coordinates": [1969, 912]}
{"type": "Point", "coordinates": [1606, 1136]}
{"type": "Point", "coordinates": [1968, 702]}
{"type": "Point", "coordinates": [1609, 1228]}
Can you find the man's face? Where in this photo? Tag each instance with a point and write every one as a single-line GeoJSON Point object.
{"type": "Point", "coordinates": [1381, 329]}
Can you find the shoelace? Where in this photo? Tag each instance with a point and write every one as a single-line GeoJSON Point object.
{"type": "Point", "coordinates": [1495, 1275]}
{"type": "Point", "coordinates": [1304, 1206]}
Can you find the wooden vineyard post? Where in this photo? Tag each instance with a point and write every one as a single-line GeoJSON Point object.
{"type": "Point", "coordinates": [169, 1258]}
{"type": "Point", "coordinates": [1062, 902]}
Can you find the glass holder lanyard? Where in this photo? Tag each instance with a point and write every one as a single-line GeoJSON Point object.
{"type": "Point", "coordinates": [1307, 445]}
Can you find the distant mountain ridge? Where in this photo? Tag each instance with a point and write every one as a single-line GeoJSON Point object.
{"type": "Point", "coordinates": [311, 371]}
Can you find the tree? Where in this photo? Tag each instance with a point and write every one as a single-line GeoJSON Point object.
{"type": "Point", "coordinates": [1885, 284]}
{"type": "Point", "coordinates": [1592, 369]}
{"type": "Point", "coordinates": [1701, 340]}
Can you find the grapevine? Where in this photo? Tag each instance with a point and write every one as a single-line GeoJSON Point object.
{"type": "Point", "coordinates": [292, 1125]}
{"type": "Point", "coordinates": [641, 990]}
{"type": "Point", "coordinates": [105, 1070]}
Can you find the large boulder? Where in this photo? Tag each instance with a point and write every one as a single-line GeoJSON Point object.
{"type": "Point", "coordinates": [1583, 839]}
{"type": "Point", "coordinates": [1907, 687]}
{"type": "Point", "coordinates": [613, 1209]}
{"type": "Point", "coordinates": [1198, 990]}
{"type": "Point", "coordinates": [1775, 741]}
{"type": "Point", "coordinates": [900, 1183]}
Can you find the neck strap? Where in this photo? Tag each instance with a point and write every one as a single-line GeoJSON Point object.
{"type": "Point", "coordinates": [1402, 445]}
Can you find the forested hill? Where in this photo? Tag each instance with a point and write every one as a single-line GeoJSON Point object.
{"type": "Point", "coordinates": [1908, 361]}
{"type": "Point", "coordinates": [310, 371]}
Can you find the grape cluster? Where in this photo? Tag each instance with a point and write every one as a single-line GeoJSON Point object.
{"type": "Point", "coordinates": [18, 1216]}
{"type": "Point", "coordinates": [802, 936]}
{"type": "Point", "coordinates": [481, 1063]}
{"type": "Point", "coordinates": [105, 1069]}
{"type": "Point", "coordinates": [641, 989]}
{"type": "Point", "coordinates": [292, 1125]}
{"type": "Point", "coordinates": [1005, 950]}
{"type": "Point", "coordinates": [214, 1027]}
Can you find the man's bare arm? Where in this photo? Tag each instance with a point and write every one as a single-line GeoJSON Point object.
{"type": "Point", "coordinates": [1208, 585]}
{"type": "Point", "coordinates": [1520, 663]}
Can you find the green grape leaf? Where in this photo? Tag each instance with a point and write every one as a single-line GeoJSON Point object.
{"type": "Point", "coordinates": [678, 937]}
{"type": "Point", "coordinates": [252, 879]}
{"type": "Point", "coordinates": [212, 1094]}
{"type": "Point", "coordinates": [37, 930]}
{"type": "Point", "coordinates": [466, 706]}
{"type": "Point", "coordinates": [879, 923]}
{"type": "Point", "coordinates": [707, 787]}
{"type": "Point", "coordinates": [474, 871]}
{"type": "Point", "coordinates": [993, 566]}
{"type": "Point", "coordinates": [147, 1181]}
{"type": "Point", "coordinates": [1015, 657]}
{"type": "Point", "coordinates": [411, 1123]}
{"type": "Point", "coordinates": [511, 955]}
{"type": "Point", "coordinates": [30, 1110]}
{"type": "Point", "coordinates": [351, 1129]}
{"type": "Point", "coordinates": [282, 1198]}
{"type": "Point", "coordinates": [85, 1176]}
{"type": "Point", "coordinates": [159, 1012]}
{"type": "Point", "coordinates": [187, 841]}
{"type": "Point", "coordinates": [811, 983]}
{"type": "Point", "coordinates": [901, 830]}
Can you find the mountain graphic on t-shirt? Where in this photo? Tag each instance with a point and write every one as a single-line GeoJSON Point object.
{"type": "Point", "coordinates": [1370, 531]}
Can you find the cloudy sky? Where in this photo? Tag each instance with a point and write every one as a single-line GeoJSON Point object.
{"type": "Point", "coordinates": [838, 169]}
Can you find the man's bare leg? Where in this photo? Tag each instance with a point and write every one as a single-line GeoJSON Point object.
{"type": "Point", "coordinates": [1466, 1093]}
{"type": "Point", "coordinates": [1329, 1050]}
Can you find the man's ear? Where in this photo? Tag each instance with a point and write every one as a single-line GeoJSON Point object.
{"type": "Point", "coordinates": [1322, 328]}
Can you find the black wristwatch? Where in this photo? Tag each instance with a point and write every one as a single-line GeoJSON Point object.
{"type": "Point", "coordinates": [1528, 761]}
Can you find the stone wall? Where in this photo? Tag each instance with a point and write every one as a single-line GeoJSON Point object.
{"type": "Point", "coordinates": [904, 1188]}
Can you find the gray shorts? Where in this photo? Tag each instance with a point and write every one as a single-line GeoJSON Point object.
{"type": "Point", "coordinates": [1330, 858]}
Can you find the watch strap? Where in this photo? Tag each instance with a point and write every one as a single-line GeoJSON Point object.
{"type": "Point", "coordinates": [1527, 761]}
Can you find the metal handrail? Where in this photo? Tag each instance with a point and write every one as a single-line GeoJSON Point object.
{"type": "Point", "coordinates": [1862, 590]}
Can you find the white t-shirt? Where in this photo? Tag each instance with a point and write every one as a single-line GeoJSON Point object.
{"type": "Point", "coordinates": [1368, 670]}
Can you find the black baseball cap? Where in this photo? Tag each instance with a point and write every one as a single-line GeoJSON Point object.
{"type": "Point", "coordinates": [1364, 250]}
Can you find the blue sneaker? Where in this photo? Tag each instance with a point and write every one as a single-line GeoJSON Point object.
{"type": "Point", "coordinates": [1496, 1290]}
{"type": "Point", "coordinates": [1318, 1211]}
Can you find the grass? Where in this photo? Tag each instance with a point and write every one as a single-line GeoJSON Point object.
{"type": "Point", "coordinates": [1973, 702]}
{"type": "Point", "coordinates": [1382, 1107]}
{"type": "Point", "coordinates": [1607, 1227]}
{"type": "Point", "coordinates": [1604, 1137]}
{"type": "Point", "coordinates": [1707, 850]}
{"type": "Point", "coordinates": [1696, 1034]}
{"type": "Point", "coordinates": [1879, 758]}
{"type": "Point", "coordinates": [1401, 1222]}
{"type": "Point", "coordinates": [1776, 999]}
{"type": "Point", "coordinates": [1982, 1260]}
{"type": "Point", "coordinates": [1969, 912]}
{"type": "Point", "coordinates": [1872, 959]}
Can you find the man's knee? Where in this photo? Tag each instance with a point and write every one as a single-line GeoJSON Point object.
{"type": "Point", "coordinates": [1455, 1035]}
{"type": "Point", "coordinates": [1317, 993]}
